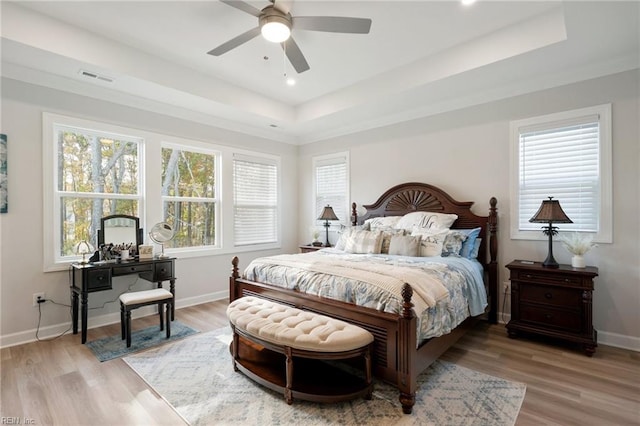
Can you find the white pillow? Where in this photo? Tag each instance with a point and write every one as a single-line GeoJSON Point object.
{"type": "Point", "coordinates": [376, 223]}
{"type": "Point", "coordinates": [405, 245]}
{"type": "Point", "coordinates": [344, 235]}
{"type": "Point", "coordinates": [426, 221]}
{"type": "Point", "coordinates": [367, 242]}
{"type": "Point", "coordinates": [430, 242]}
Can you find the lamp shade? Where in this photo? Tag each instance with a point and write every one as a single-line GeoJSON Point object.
{"type": "Point", "coordinates": [328, 214]}
{"type": "Point", "coordinates": [84, 248]}
{"type": "Point", "coordinates": [550, 211]}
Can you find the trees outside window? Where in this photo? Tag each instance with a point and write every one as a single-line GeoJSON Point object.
{"type": "Point", "coordinates": [98, 175]}
{"type": "Point", "coordinates": [189, 195]}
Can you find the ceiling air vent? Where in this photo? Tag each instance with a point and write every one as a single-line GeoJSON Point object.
{"type": "Point", "coordinates": [95, 76]}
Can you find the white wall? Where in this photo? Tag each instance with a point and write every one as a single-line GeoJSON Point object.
{"type": "Point", "coordinates": [466, 153]}
{"type": "Point", "coordinates": [21, 256]}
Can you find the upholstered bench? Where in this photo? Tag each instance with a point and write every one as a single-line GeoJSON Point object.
{"type": "Point", "coordinates": [273, 328]}
{"type": "Point", "coordinates": [137, 299]}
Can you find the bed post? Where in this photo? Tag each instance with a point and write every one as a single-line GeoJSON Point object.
{"type": "Point", "coordinates": [407, 344]}
{"type": "Point", "coordinates": [493, 263]}
{"type": "Point", "coordinates": [232, 281]}
{"type": "Point", "coordinates": [354, 214]}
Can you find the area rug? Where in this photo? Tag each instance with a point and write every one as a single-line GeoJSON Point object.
{"type": "Point", "coordinates": [195, 376]}
{"type": "Point", "coordinates": [114, 347]}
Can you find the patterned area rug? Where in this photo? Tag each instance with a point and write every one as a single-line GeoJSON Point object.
{"type": "Point", "coordinates": [114, 347]}
{"type": "Point", "coordinates": [196, 377]}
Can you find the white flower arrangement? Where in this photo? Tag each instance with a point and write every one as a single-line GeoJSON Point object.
{"type": "Point", "coordinates": [578, 243]}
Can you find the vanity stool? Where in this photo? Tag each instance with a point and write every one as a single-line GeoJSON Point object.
{"type": "Point", "coordinates": [137, 299]}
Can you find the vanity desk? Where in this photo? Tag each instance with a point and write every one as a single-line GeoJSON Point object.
{"type": "Point", "coordinates": [123, 231]}
{"type": "Point", "coordinates": [91, 277]}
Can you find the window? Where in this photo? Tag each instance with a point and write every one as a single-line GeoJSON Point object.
{"type": "Point", "coordinates": [255, 200]}
{"type": "Point", "coordinates": [93, 169]}
{"type": "Point", "coordinates": [332, 185]}
{"type": "Point", "coordinates": [189, 194]}
{"type": "Point", "coordinates": [566, 156]}
{"type": "Point", "coordinates": [97, 174]}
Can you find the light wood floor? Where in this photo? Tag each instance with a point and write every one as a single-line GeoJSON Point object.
{"type": "Point", "coordinates": [61, 382]}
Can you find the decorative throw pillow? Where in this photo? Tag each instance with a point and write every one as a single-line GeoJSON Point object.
{"type": "Point", "coordinates": [430, 242]}
{"type": "Point", "coordinates": [453, 243]}
{"type": "Point", "coordinates": [405, 245]}
{"type": "Point", "coordinates": [367, 242]}
{"type": "Point", "coordinates": [426, 221]}
{"type": "Point", "coordinates": [344, 235]}
{"type": "Point", "coordinates": [469, 243]}
{"type": "Point", "coordinates": [383, 222]}
{"type": "Point", "coordinates": [476, 249]}
{"type": "Point", "coordinates": [387, 234]}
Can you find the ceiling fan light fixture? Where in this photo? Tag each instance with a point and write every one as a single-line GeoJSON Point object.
{"type": "Point", "coordinates": [275, 28]}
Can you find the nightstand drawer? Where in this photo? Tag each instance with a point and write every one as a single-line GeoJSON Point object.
{"type": "Point", "coordinates": [555, 296]}
{"type": "Point", "coordinates": [533, 276]}
{"type": "Point", "coordinates": [568, 321]}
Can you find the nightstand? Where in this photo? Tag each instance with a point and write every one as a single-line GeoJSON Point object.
{"type": "Point", "coordinates": [309, 248]}
{"type": "Point", "coordinates": [553, 302]}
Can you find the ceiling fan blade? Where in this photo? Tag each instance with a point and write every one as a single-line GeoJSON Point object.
{"type": "Point", "coordinates": [245, 7]}
{"type": "Point", "coordinates": [332, 24]}
{"type": "Point", "coordinates": [235, 42]}
{"type": "Point", "coordinates": [295, 55]}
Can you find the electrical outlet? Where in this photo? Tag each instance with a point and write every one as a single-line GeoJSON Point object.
{"type": "Point", "coordinates": [36, 296]}
{"type": "Point", "coordinates": [506, 287]}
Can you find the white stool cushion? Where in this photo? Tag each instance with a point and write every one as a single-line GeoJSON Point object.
{"type": "Point", "coordinates": [145, 296]}
{"type": "Point", "coordinates": [298, 329]}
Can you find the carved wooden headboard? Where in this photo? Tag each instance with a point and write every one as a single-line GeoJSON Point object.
{"type": "Point", "coordinates": [414, 196]}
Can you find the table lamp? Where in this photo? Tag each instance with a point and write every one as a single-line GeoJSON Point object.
{"type": "Point", "coordinates": [84, 248]}
{"type": "Point", "coordinates": [327, 215]}
{"type": "Point", "coordinates": [549, 212]}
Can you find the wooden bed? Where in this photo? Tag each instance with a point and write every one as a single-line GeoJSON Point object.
{"type": "Point", "coordinates": [397, 359]}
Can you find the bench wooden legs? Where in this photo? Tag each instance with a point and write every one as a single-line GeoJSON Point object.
{"type": "Point", "coordinates": [288, 394]}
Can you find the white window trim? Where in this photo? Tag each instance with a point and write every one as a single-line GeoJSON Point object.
{"type": "Point", "coordinates": [51, 226]}
{"type": "Point", "coordinates": [605, 233]}
{"type": "Point", "coordinates": [328, 158]}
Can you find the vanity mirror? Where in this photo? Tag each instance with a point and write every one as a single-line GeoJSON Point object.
{"type": "Point", "coordinates": [120, 229]}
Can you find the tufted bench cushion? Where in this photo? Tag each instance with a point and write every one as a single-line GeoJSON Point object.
{"type": "Point", "coordinates": [298, 329]}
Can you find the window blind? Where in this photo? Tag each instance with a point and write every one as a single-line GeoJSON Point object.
{"type": "Point", "coordinates": [331, 187]}
{"type": "Point", "coordinates": [562, 162]}
{"type": "Point", "coordinates": [255, 201]}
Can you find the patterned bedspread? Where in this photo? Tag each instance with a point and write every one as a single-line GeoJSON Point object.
{"type": "Point", "coordinates": [461, 277]}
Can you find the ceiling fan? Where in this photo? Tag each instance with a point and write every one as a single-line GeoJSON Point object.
{"type": "Point", "coordinates": [275, 24]}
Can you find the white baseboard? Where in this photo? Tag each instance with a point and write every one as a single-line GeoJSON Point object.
{"type": "Point", "coordinates": [619, 341]}
{"type": "Point", "coordinates": [51, 331]}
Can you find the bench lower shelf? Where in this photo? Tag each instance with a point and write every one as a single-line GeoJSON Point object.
{"type": "Point", "coordinates": [313, 380]}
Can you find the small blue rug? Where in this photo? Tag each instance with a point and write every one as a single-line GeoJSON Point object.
{"type": "Point", "coordinates": [114, 347]}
